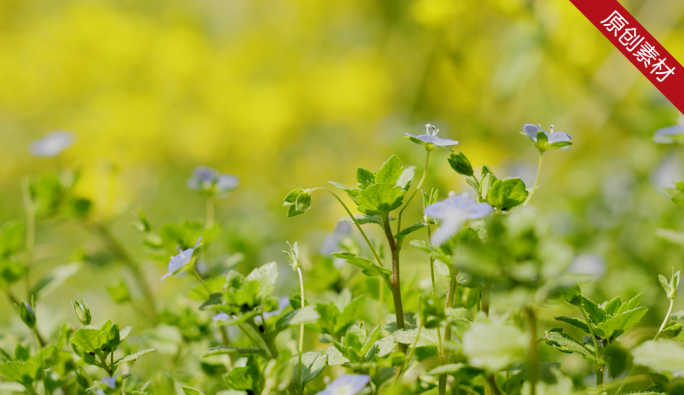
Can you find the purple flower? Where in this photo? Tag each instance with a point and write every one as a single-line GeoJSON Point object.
{"type": "Point", "coordinates": [555, 140]}
{"type": "Point", "coordinates": [179, 261]}
{"type": "Point", "coordinates": [52, 144]}
{"type": "Point", "coordinates": [670, 134]}
{"type": "Point", "coordinates": [453, 213]}
{"type": "Point", "coordinates": [208, 181]}
{"type": "Point", "coordinates": [110, 381]}
{"type": "Point", "coordinates": [348, 384]}
{"type": "Point", "coordinates": [430, 139]}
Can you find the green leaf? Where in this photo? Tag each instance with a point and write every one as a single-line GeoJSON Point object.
{"type": "Point", "coordinates": [594, 312]}
{"type": "Point", "coordinates": [613, 306]}
{"type": "Point", "coordinates": [630, 304]}
{"type": "Point", "coordinates": [660, 355]}
{"type": "Point", "coordinates": [494, 347]}
{"type": "Point", "coordinates": [313, 364]}
{"type": "Point", "coordinates": [223, 349]}
{"type": "Point", "coordinates": [671, 235]}
{"type": "Point", "coordinates": [89, 340]}
{"type": "Point", "coordinates": [506, 194]}
{"type": "Point", "coordinates": [364, 177]}
{"type": "Point", "coordinates": [266, 275]}
{"type": "Point", "coordinates": [380, 199]}
{"type": "Point", "coordinates": [664, 283]}
{"type": "Point", "coordinates": [10, 272]}
{"type": "Point", "coordinates": [617, 325]}
{"type": "Point", "coordinates": [304, 315]}
{"type": "Point", "coordinates": [408, 230]}
{"type": "Point", "coordinates": [134, 357]}
{"type": "Point", "coordinates": [21, 372]}
{"type": "Point", "coordinates": [428, 337]}
{"type": "Point", "coordinates": [365, 219]}
{"type": "Point", "coordinates": [119, 292]}
{"type": "Point", "coordinates": [390, 171]}
{"type": "Point", "coordinates": [573, 296]}
{"type": "Point", "coordinates": [291, 197]}
{"type": "Point", "coordinates": [576, 322]}
{"type": "Point", "coordinates": [368, 268]}
{"type": "Point", "coordinates": [564, 343]}
{"type": "Point", "coordinates": [191, 391]}
{"type": "Point", "coordinates": [245, 376]}
{"type": "Point", "coordinates": [335, 357]}
{"type": "Point", "coordinates": [461, 165]}
{"type": "Point", "coordinates": [405, 178]}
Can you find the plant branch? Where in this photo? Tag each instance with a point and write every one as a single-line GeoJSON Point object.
{"type": "Point", "coordinates": [415, 190]}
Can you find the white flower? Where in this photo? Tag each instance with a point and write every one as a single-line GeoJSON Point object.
{"type": "Point", "coordinates": [555, 139]}
{"type": "Point", "coordinates": [453, 213]}
{"type": "Point", "coordinates": [348, 384]}
{"type": "Point", "coordinates": [430, 139]}
{"type": "Point", "coordinates": [183, 258]}
{"type": "Point", "coordinates": [52, 144]}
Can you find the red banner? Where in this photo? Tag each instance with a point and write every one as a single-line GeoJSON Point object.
{"type": "Point", "coordinates": [638, 45]}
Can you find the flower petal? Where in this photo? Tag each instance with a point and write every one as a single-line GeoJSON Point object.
{"type": "Point", "coordinates": [459, 202]}
{"type": "Point", "coordinates": [557, 137]}
{"type": "Point", "coordinates": [670, 131]}
{"type": "Point", "coordinates": [348, 384]}
{"type": "Point", "coordinates": [530, 131]}
{"type": "Point", "coordinates": [447, 229]}
{"type": "Point", "coordinates": [52, 144]}
{"type": "Point", "coordinates": [227, 182]}
{"type": "Point", "coordinates": [479, 210]}
{"type": "Point", "coordinates": [439, 210]}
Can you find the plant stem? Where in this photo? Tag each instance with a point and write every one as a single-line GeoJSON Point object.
{"type": "Point", "coordinates": [662, 326]}
{"type": "Point", "coordinates": [396, 278]}
{"type": "Point", "coordinates": [201, 280]}
{"type": "Point", "coordinates": [447, 336]}
{"type": "Point", "coordinates": [486, 295]}
{"type": "Point", "coordinates": [210, 213]}
{"type": "Point", "coordinates": [536, 182]}
{"type": "Point", "coordinates": [432, 262]}
{"type": "Point", "coordinates": [534, 352]}
{"type": "Point", "coordinates": [491, 380]}
{"type": "Point", "coordinates": [420, 183]}
{"type": "Point", "coordinates": [597, 351]}
{"type": "Point", "coordinates": [301, 331]}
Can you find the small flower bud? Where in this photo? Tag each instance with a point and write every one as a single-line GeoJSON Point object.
{"type": "Point", "coordinates": [82, 311]}
{"type": "Point", "coordinates": [27, 314]}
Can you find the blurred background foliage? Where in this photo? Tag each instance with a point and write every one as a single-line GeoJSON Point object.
{"type": "Point", "coordinates": [286, 93]}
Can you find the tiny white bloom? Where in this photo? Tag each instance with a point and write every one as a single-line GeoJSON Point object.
{"type": "Point", "coordinates": [183, 258]}
{"type": "Point", "coordinates": [453, 213]}
{"type": "Point", "coordinates": [52, 144]}
{"type": "Point", "coordinates": [348, 384]}
{"type": "Point", "coordinates": [430, 139]}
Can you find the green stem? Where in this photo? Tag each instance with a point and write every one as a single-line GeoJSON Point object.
{"type": "Point", "coordinates": [432, 262]}
{"type": "Point", "coordinates": [534, 353]}
{"type": "Point", "coordinates": [536, 182]}
{"type": "Point", "coordinates": [201, 280]}
{"type": "Point", "coordinates": [417, 188]}
{"type": "Point", "coordinates": [396, 277]}
{"type": "Point", "coordinates": [491, 380]}
{"type": "Point", "coordinates": [301, 331]}
{"type": "Point", "coordinates": [597, 351]}
{"type": "Point", "coordinates": [447, 337]}
{"type": "Point", "coordinates": [486, 295]}
{"type": "Point", "coordinates": [662, 326]}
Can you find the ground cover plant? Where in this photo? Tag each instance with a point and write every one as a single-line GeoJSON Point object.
{"type": "Point", "coordinates": [354, 325]}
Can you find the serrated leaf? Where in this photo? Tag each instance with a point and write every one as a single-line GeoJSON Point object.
{"type": "Point", "coordinates": [565, 343]}
{"type": "Point", "coordinates": [506, 194]}
{"type": "Point", "coordinates": [380, 199]}
{"type": "Point", "coordinates": [613, 306]}
{"type": "Point", "coordinates": [89, 340]}
{"type": "Point", "coordinates": [405, 178]}
{"type": "Point", "coordinates": [365, 219]}
{"type": "Point", "coordinates": [191, 391]}
{"type": "Point", "coordinates": [366, 265]}
{"type": "Point", "coordinates": [134, 357]}
{"type": "Point", "coordinates": [390, 171]}
{"type": "Point", "coordinates": [630, 304]}
{"type": "Point", "coordinates": [335, 357]}
{"type": "Point", "coordinates": [617, 325]}
{"type": "Point", "coordinates": [305, 315]}
{"type": "Point", "coordinates": [364, 177]}
{"type": "Point", "coordinates": [576, 322]}
{"type": "Point", "coordinates": [595, 314]}
{"type": "Point", "coordinates": [494, 347]}
{"type": "Point", "coordinates": [266, 275]}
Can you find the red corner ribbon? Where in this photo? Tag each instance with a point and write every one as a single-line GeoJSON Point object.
{"type": "Point", "coordinates": [638, 45]}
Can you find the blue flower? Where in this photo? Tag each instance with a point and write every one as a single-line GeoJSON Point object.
{"type": "Point", "coordinates": [110, 381]}
{"type": "Point", "coordinates": [348, 384]}
{"type": "Point", "coordinates": [670, 134]}
{"type": "Point", "coordinates": [453, 213]}
{"type": "Point", "coordinates": [179, 261]}
{"type": "Point", "coordinates": [208, 181]}
{"type": "Point", "coordinates": [52, 144]}
{"type": "Point", "coordinates": [334, 241]}
{"type": "Point", "coordinates": [544, 140]}
{"type": "Point", "coordinates": [430, 139]}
